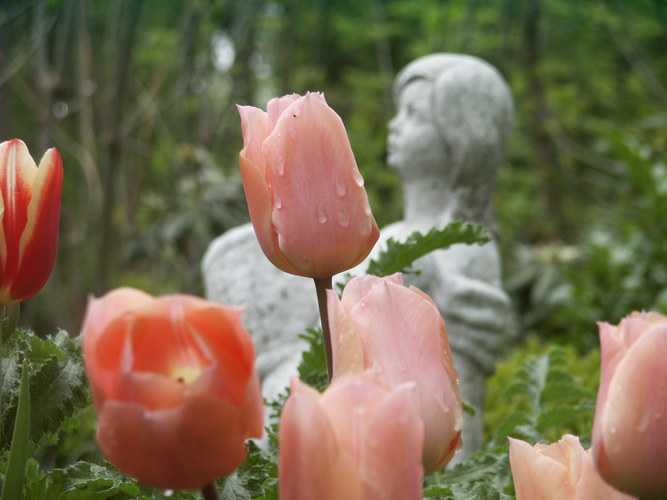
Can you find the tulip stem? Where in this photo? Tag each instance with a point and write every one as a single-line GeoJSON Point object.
{"type": "Point", "coordinates": [321, 287]}
{"type": "Point", "coordinates": [210, 491]}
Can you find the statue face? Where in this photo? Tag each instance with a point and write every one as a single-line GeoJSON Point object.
{"type": "Point", "coordinates": [415, 146]}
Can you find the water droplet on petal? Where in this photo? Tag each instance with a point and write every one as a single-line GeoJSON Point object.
{"type": "Point", "coordinates": [366, 229]}
{"type": "Point", "coordinates": [322, 216]}
{"type": "Point", "coordinates": [358, 178]}
{"type": "Point", "coordinates": [280, 166]}
{"type": "Point", "coordinates": [341, 188]}
{"type": "Point", "coordinates": [278, 203]}
{"type": "Point", "coordinates": [343, 217]}
{"type": "Point", "coordinates": [292, 133]}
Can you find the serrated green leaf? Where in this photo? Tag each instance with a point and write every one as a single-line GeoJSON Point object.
{"type": "Point", "coordinates": [561, 415]}
{"type": "Point", "coordinates": [84, 480]}
{"type": "Point", "coordinates": [58, 385]}
{"type": "Point", "coordinates": [313, 368]}
{"type": "Point", "coordinates": [398, 256]}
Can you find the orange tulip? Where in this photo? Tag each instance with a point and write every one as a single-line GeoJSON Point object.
{"type": "Point", "coordinates": [29, 210]}
{"type": "Point", "coordinates": [557, 471]}
{"type": "Point", "coordinates": [630, 428]}
{"type": "Point", "coordinates": [356, 441]}
{"type": "Point", "coordinates": [174, 386]}
{"type": "Point", "coordinates": [398, 333]}
{"type": "Point", "coordinates": [304, 191]}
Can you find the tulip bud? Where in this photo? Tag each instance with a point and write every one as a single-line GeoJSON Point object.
{"type": "Point", "coordinates": [630, 427]}
{"type": "Point", "coordinates": [29, 210]}
{"type": "Point", "coordinates": [557, 471]}
{"type": "Point", "coordinates": [174, 386]}
{"type": "Point", "coordinates": [397, 332]}
{"type": "Point", "coordinates": [304, 191]}
{"type": "Point", "coordinates": [356, 441]}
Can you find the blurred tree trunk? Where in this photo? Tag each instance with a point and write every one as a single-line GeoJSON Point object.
{"type": "Point", "coordinates": [5, 101]}
{"type": "Point", "coordinates": [548, 162]}
{"type": "Point", "coordinates": [114, 144]}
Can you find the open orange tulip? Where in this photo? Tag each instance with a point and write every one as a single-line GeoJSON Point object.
{"type": "Point", "coordinates": [305, 194]}
{"type": "Point", "coordinates": [174, 385]}
{"type": "Point", "coordinates": [397, 332]}
{"type": "Point", "coordinates": [357, 440]}
{"type": "Point", "coordinates": [29, 211]}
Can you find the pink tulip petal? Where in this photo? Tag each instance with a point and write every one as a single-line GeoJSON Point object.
{"type": "Point", "coordinates": [313, 464]}
{"type": "Point", "coordinates": [396, 326]}
{"type": "Point", "coordinates": [633, 419]}
{"type": "Point", "coordinates": [181, 448]}
{"type": "Point", "coordinates": [561, 470]}
{"type": "Point", "coordinates": [392, 453]}
{"type": "Point", "coordinates": [259, 202]}
{"type": "Point", "coordinates": [320, 208]}
{"type": "Point", "coordinates": [255, 129]}
{"type": "Point", "coordinates": [277, 107]}
{"type": "Point", "coordinates": [537, 476]}
{"type": "Point", "coordinates": [360, 286]}
{"type": "Point", "coordinates": [346, 345]}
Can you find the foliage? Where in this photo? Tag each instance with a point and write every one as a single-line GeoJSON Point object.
{"type": "Point", "coordinates": [398, 256]}
{"type": "Point", "coordinates": [547, 401]}
{"type": "Point", "coordinates": [618, 267]}
{"type": "Point", "coordinates": [139, 100]}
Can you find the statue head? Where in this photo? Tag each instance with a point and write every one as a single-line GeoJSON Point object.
{"type": "Point", "coordinates": [453, 122]}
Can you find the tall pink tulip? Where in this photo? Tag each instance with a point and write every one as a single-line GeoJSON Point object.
{"type": "Point", "coordinates": [630, 428]}
{"type": "Point", "coordinates": [304, 191]}
{"type": "Point", "coordinates": [398, 333]}
{"type": "Point", "coordinates": [356, 441]}
{"type": "Point", "coordinates": [29, 211]}
{"type": "Point", "coordinates": [174, 385]}
{"type": "Point", "coordinates": [557, 471]}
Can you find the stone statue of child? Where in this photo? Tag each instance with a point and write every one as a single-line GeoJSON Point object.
{"type": "Point", "coordinates": [446, 141]}
{"type": "Point", "coordinates": [454, 119]}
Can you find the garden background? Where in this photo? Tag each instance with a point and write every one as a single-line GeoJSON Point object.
{"type": "Point", "coordinates": [139, 96]}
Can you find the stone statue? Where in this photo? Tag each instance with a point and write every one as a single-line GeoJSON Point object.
{"type": "Point", "coordinates": [446, 142]}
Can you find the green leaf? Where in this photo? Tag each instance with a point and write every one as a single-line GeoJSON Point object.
{"type": "Point", "coordinates": [313, 368]}
{"type": "Point", "coordinates": [58, 386]}
{"type": "Point", "coordinates": [399, 256]}
{"type": "Point", "coordinates": [84, 480]}
{"type": "Point", "coordinates": [18, 454]}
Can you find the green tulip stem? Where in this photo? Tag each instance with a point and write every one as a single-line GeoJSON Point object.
{"type": "Point", "coordinates": [11, 313]}
{"type": "Point", "coordinates": [321, 287]}
{"type": "Point", "coordinates": [210, 492]}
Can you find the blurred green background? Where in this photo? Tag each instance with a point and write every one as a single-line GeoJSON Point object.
{"type": "Point", "coordinates": [139, 98]}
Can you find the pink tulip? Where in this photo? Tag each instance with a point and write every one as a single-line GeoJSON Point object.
{"type": "Point", "coordinates": [398, 333]}
{"type": "Point", "coordinates": [304, 191]}
{"type": "Point", "coordinates": [557, 471]}
{"type": "Point", "coordinates": [174, 386]}
{"type": "Point", "coordinates": [29, 211]}
{"type": "Point", "coordinates": [356, 441]}
{"type": "Point", "coordinates": [630, 428]}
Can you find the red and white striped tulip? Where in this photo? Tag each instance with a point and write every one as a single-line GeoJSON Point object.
{"type": "Point", "coordinates": [29, 211]}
